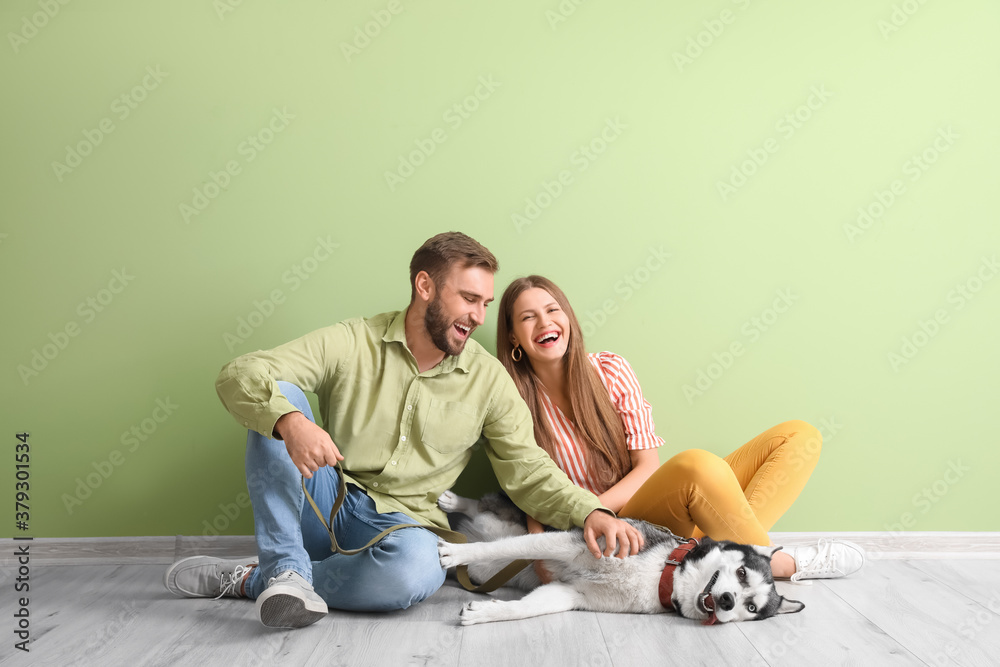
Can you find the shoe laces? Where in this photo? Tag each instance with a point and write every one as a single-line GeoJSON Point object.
{"type": "Point", "coordinates": [825, 560]}
{"type": "Point", "coordinates": [290, 577]}
{"type": "Point", "coordinates": [229, 582]}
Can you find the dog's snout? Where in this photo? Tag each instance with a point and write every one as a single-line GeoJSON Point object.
{"type": "Point", "coordinates": [726, 602]}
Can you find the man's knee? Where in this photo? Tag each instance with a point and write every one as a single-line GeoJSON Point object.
{"type": "Point", "coordinates": [414, 572]}
{"type": "Point", "coordinates": [399, 571]}
{"type": "Point", "coordinates": [296, 397]}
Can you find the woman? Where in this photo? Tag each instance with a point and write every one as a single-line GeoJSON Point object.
{"type": "Point", "coordinates": [591, 418]}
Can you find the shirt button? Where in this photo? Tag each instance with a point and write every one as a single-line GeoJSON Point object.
{"type": "Point", "coordinates": [375, 484]}
{"type": "Point", "coordinates": [393, 463]}
{"type": "Point", "coordinates": [409, 407]}
{"type": "Point", "coordinates": [403, 438]}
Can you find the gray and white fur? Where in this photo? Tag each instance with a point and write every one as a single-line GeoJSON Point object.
{"type": "Point", "coordinates": [718, 582]}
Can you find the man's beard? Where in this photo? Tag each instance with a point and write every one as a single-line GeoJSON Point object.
{"type": "Point", "coordinates": [438, 327]}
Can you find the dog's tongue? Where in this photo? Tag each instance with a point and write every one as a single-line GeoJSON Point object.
{"type": "Point", "coordinates": [711, 619]}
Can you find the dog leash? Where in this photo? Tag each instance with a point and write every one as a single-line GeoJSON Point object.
{"type": "Point", "coordinates": [461, 572]}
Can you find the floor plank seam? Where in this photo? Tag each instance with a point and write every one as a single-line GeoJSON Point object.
{"type": "Point", "coordinates": [461, 647]}
{"type": "Point", "coordinates": [952, 587]}
{"type": "Point", "coordinates": [899, 643]}
{"type": "Point", "coordinates": [604, 638]}
{"type": "Point", "coordinates": [117, 615]}
{"type": "Point", "coordinates": [756, 650]}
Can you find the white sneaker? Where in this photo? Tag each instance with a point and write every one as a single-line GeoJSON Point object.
{"type": "Point", "coordinates": [290, 602]}
{"type": "Point", "coordinates": [827, 559]}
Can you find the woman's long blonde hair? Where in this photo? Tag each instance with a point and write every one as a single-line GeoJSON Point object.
{"type": "Point", "coordinates": [598, 425]}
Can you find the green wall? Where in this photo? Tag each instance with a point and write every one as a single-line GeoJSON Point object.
{"type": "Point", "coordinates": [167, 169]}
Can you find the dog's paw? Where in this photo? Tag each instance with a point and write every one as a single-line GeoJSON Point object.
{"type": "Point", "coordinates": [446, 554]}
{"type": "Point", "coordinates": [449, 501]}
{"type": "Point", "coordinates": [480, 611]}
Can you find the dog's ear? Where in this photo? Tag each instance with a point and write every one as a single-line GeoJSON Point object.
{"type": "Point", "coordinates": [789, 606]}
{"type": "Point", "coordinates": [766, 552]}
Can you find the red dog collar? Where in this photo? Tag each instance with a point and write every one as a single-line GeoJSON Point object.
{"type": "Point", "coordinates": [666, 588]}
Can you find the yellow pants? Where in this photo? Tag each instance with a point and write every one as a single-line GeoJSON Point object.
{"type": "Point", "coordinates": [738, 498]}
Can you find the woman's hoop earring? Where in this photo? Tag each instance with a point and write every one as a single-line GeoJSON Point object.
{"type": "Point", "coordinates": [520, 354]}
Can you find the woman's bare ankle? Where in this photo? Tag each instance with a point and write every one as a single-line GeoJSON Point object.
{"type": "Point", "coordinates": [782, 565]}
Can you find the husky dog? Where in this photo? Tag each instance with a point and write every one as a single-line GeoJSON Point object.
{"type": "Point", "coordinates": [714, 582]}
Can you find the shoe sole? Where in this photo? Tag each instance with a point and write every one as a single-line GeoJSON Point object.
{"type": "Point", "coordinates": [286, 607]}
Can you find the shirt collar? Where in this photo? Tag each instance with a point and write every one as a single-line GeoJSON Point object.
{"type": "Point", "coordinates": [396, 333]}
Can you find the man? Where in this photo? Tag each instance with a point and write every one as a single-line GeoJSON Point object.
{"type": "Point", "coordinates": [403, 397]}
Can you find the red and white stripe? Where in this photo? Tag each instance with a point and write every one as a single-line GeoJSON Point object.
{"type": "Point", "coordinates": [635, 412]}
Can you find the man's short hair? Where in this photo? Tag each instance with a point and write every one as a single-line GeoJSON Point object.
{"type": "Point", "coordinates": [438, 253]}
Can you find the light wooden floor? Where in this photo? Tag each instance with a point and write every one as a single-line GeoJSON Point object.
{"type": "Point", "coordinates": [896, 612]}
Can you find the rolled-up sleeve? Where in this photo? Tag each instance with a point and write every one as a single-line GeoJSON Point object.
{"type": "Point", "coordinates": [532, 480]}
{"type": "Point", "coordinates": [248, 385]}
{"type": "Point", "coordinates": [635, 411]}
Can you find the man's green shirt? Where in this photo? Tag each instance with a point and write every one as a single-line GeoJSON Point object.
{"type": "Point", "coordinates": [406, 435]}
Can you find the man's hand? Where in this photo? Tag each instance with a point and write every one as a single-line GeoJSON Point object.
{"type": "Point", "coordinates": [309, 446]}
{"type": "Point", "coordinates": [615, 532]}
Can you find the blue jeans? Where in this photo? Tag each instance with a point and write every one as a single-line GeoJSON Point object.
{"type": "Point", "coordinates": [403, 568]}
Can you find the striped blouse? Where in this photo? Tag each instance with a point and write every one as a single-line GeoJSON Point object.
{"type": "Point", "coordinates": [635, 412]}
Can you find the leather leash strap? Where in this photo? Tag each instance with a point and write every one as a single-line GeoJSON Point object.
{"type": "Point", "coordinates": [462, 571]}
